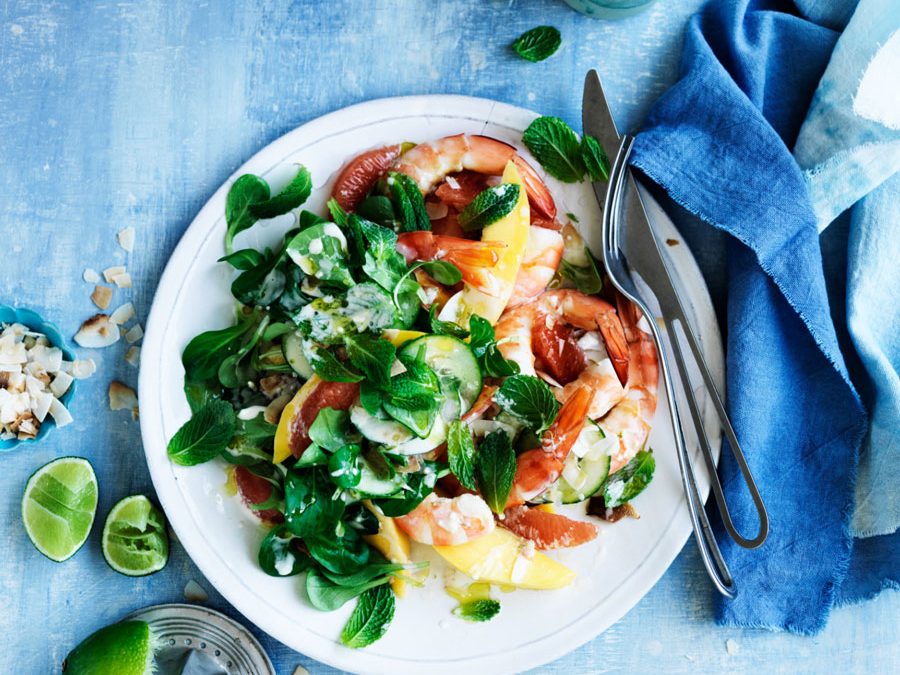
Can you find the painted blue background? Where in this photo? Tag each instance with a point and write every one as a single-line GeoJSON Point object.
{"type": "Point", "coordinates": [133, 113]}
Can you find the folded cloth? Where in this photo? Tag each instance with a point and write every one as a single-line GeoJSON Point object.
{"type": "Point", "coordinates": [849, 145]}
{"type": "Point", "coordinates": [719, 142]}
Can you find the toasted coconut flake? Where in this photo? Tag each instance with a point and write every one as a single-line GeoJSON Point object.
{"type": "Point", "coordinates": [110, 273]}
{"type": "Point", "coordinates": [133, 356]}
{"type": "Point", "coordinates": [83, 368]}
{"type": "Point", "coordinates": [59, 413]}
{"type": "Point", "coordinates": [91, 276]}
{"type": "Point", "coordinates": [134, 334]}
{"type": "Point", "coordinates": [61, 383]}
{"type": "Point", "coordinates": [126, 239]}
{"type": "Point", "coordinates": [40, 404]}
{"type": "Point", "coordinates": [97, 332]}
{"type": "Point", "coordinates": [122, 280]}
{"type": "Point", "coordinates": [47, 358]}
{"type": "Point", "coordinates": [122, 397]}
{"type": "Point", "coordinates": [123, 314]}
{"type": "Point", "coordinates": [102, 296]}
{"type": "Point", "coordinates": [194, 592]}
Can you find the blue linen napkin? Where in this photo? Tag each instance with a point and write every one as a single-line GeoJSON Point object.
{"type": "Point", "coordinates": [849, 145]}
{"type": "Point", "coordinates": [719, 142]}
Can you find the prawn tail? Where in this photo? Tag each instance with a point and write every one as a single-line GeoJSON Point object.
{"type": "Point", "coordinates": [538, 193]}
{"type": "Point", "coordinates": [564, 431]}
{"type": "Point", "coordinates": [616, 344]}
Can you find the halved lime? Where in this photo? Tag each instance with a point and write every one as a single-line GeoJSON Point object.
{"type": "Point", "coordinates": [58, 506]}
{"type": "Point", "coordinates": [135, 542]}
{"type": "Point", "coordinates": [121, 649]}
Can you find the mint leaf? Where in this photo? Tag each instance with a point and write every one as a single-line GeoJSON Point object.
{"type": "Point", "coordinates": [556, 147]}
{"type": "Point", "coordinates": [205, 435]}
{"type": "Point", "coordinates": [478, 610]}
{"type": "Point", "coordinates": [439, 327]}
{"type": "Point", "coordinates": [291, 196]}
{"type": "Point", "coordinates": [243, 194]}
{"type": "Point", "coordinates": [415, 395]}
{"type": "Point", "coordinates": [529, 399]}
{"type": "Point", "coordinates": [328, 367]}
{"type": "Point", "coordinates": [538, 43]}
{"type": "Point", "coordinates": [594, 157]}
{"type": "Point", "coordinates": [378, 209]}
{"type": "Point", "coordinates": [370, 618]}
{"type": "Point", "coordinates": [338, 215]}
{"type": "Point", "coordinates": [372, 356]}
{"type": "Point", "coordinates": [489, 206]}
{"type": "Point", "coordinates": [461, 454]}
{"type": "Point", "coordinates": [629, 481]}
{"type": "Point", "coordinates": [410, 204]}
{"type": "Point", "coordinates": [495, 469]}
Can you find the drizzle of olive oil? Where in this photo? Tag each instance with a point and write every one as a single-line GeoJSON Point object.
{"type": "Point", "coordinates": [478, 590]}
{"type": "Point", "coordinates": [230, 482]}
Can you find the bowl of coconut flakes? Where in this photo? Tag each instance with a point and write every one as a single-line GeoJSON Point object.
{"type": "Point", "coordinates": [38, 372]}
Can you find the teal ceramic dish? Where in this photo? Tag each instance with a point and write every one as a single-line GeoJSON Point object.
{"type": "Point", "coordinates": [34, 321]}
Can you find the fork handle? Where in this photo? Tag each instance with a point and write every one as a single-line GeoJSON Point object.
{"type": "Point", "coordinates": [710, 553]}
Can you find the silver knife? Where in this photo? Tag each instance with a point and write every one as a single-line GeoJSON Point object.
{"type": "Point", "coordinates": [645, 258]}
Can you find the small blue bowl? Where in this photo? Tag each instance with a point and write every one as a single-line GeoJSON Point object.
{"type": "Point", "coordinates": [34, 321]}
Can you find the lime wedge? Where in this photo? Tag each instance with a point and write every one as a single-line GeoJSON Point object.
{"type": "Point", "coordinates": [135, 542]}
{"type": "Point", "coordinates": [58, 506]}
{"type": "Point", "coordinates": [121, 649]}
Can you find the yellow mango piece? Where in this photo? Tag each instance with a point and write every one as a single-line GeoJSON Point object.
{"type": "Point", "coordinates": [392, 543]}
{"type": "Point", "coordinates": [283, 433]}
{"type": "Point", "coordinates": [499, 558]}
{"type": "Point", "coordinates": [512, 229]}
{"type": "Point", "coordinates": [549, 508]}
{"type": "Point", "coordinates": [397, 336]}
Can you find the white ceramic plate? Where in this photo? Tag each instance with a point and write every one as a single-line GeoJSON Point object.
{"type": "Point", "coordinates": [614, 572]}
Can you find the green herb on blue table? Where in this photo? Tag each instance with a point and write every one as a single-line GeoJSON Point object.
{"type": "Point", "coordinates": [538, 43]}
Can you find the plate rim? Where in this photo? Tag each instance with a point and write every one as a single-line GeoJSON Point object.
{"type": "Point", "coordinates": [576, 633]}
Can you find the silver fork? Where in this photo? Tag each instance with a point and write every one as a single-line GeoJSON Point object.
{"type": "Point", "coordinates": [616, 268]}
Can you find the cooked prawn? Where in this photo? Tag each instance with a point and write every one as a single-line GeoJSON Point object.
{"type": "Point", "coordinates": [629, 420]}
{"type": "Point", "coordinates": [543, 326]}
{"type": "Point", "coordinates": [448, 521]}
{"type": "Point", "coordinates": [473, 258]}
{"type": "Point", "coordinates": [537, 469]}
{"type": "Point", "coordinates": [429, 163]}
{"type": "Point", "coordinates": [539, 264]}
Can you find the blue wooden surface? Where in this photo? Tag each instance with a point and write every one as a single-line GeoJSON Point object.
{"type": "Point", "coordinates": [132, 113]}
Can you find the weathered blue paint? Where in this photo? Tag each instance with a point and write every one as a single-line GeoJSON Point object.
{"type": "Point", "coordinates": [132, 113]}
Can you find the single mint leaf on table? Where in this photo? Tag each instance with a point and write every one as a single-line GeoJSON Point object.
{"type": "Point", "coordinates": [205, 435]}
{"type": "Point", "coordinates": [372, 356]}
{"type": "Point", "coordinates": [243, 194]}
{"type": "Point", "coordinates": [495, 469]}
{"type": "Point", "coordinates": [538, 43]}
{"type": "Point", "coordinates": [483, 609]}
{"type": "Point", "coordinates": [529, 399]}
{"type": "Point", "coordinates": [595, 159]}
{"type": "Point", "coordinates": [370, 618]}
{"type": "Point", "coordinates": [489, 206]}
{"type": "Point", "coordinates": [291, 196]}
{"type": "Point", "coordinates": [556, 147]}
{"type": "Point", "coordinates": [461, 454]}
{"type": "Point", "coordinates": [629, 481]}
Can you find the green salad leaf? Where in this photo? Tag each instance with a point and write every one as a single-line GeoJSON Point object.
{"type": "Point", "coordinates": [205, 435]}
{"type": "Point", "coordinates": [483, 609]}
{"type": "Point", "coordinates": [418, 486]}
{"type": "Point", "coordinates": [338, 215]}
{"type": "Point", "coordinates": [291, 196]}
{"type": "Point", "coordinates": [409, 201]}
{"type": "Point", "coordinates": [327, 366]}
{"type": "Point", "coordinates": [372, 356]}
{"type": "Point", "coordinates": [344, 466]}
{"type": "Point", "coordinates": [489, 206]}
{"type": "Point", "coordinates": [370, 618]}
{"type": "Point", "coordinates": [538, 43]}
{"type": "Point", "coordinates": [415, 395]}
{"type": "Point", "coordinates": [594, 157]}
{"type": "Point", "coordinates": [461, 454]}
{"type": "Point", "coordinates": [262, 284]}
{"type": "Point", "coordinates": [378, 209]}
{"type": "Point", "coordinates": [484, 346]}
{"type": "Point", "coordinates": [439, 327]}
{"type": "Point", "coordinates": [278, 557]}
{"type": "Point", "coordinates": [495, 468]}
{"type": "Point", "coordinates": [330, 429]}
{"type": "Point", "coordinates": [310, 508]}
{"type": "Point", "coordinates": [585, 278]}
{"type": "Point", "coordinates": [206, 352]}
{"type": "Point", "coordinates": [530, 400]}
{"type": "Point", "coordinates": [629, 481]}
{"type": "Point", "coordinates": [321, 252]}
{"type": "Point", "coordinates": [246, 191]}
{"type": "Point", "coordinates": [327, 596]}
{"type": "Point", "coordinates": [556, 147]}
{"type": "Point", "coordinates": [343, 551]}
{"type": "Point", "coordinates": [245, 259]}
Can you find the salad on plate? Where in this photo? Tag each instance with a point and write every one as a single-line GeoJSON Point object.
{"type": "Point", "coordinates": [436, 360]}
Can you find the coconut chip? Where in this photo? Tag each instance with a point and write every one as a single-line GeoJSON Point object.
{"type": "Point", "coordinates": [194, 592]}
{"type": "Point", "coordinates": [133, 356]}
{"type": "Point", "coordinates": [122, 397]}
{"type": "Point", "coordinates": [122, 280]}
{"type": "Point", "coordinates": [61, 383]}
{"type": "Point", "coordinates": [59, 413]}
{"type": "Point", "coordinates": [102, 296]}
{"type": "Point", "coordinates": [111, 272]}
{"type": "Point", "coordinates": [97, 332]}
{"type": "Point", "coordinates": [83, 368]}
{"type": "Point", "coordinates": [126, 239]}
{"type": "Point", "coordinates": [91, 276]}
{"type": "Point", "coordinates": [123, 314]}
{"type": "Point", "coordinates": [134, 334]}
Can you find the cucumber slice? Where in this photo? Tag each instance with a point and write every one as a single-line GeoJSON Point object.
{"type": "Point", "coordinates": [395, 436]}
{"type": "Point", "coordinates": [456, 367]}
{"type": "Point", "coordinates": [585, 470]}
{"type": "Point", "coordinates": [293, 354]}
{"type": "Point", "coordinates": [373, 485]}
